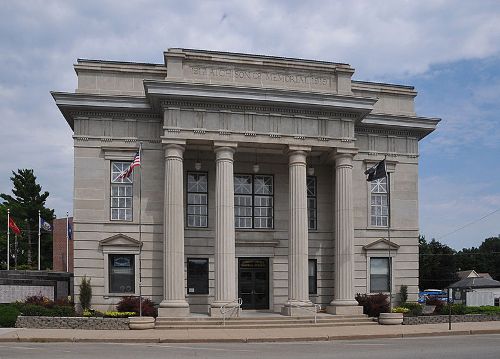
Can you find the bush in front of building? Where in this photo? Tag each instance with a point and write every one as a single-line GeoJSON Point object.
{"type": "Point", "coordinates": [8, 315]}
{"type": "Point", "coordinates": [486, 309]}
{"type": "Point", "coordinates": [414, 309]}
{"type": "Point", "coordinates": [374, 304]}
{"type": "Point", "coordinates": [131, 304]}
{"type": "Point", "coordinates": [85, 295]}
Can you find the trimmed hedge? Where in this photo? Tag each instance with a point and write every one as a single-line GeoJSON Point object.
{"type": "Point", "coordinates": [8, 315]}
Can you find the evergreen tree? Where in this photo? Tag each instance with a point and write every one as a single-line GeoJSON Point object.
{"type": "Point", "coordinates": [24, 204]}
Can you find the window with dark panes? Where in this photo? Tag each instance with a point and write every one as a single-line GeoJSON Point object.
{"type": "Point", "coordinates": [197, 199]}
{"type": "Point", "coordinates": [121, 273]}
{"type": "Point", "coordinates": [197, 276]}
{"type": "Point", "coordinates": [380, 269]}
{"type": "Point", "coordinates": [121, 193]}
{"type": "Point", "coordinates": [313, 276]}
{"type": "Point", "coordinates": [312, 212]}
{"type": "Point", "coordinates": [253, 201]}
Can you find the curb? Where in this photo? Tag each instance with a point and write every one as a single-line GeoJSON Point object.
{"type": "Point", "coordinates": [249, 340]}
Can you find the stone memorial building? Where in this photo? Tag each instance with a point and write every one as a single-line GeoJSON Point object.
{"type": "Point", "coordinates": [252, 183]}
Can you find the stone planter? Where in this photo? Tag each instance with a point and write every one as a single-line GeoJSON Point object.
{"type": "Point", "coordinates": [390, 318]}
{"type": "Point", "coordinates": [138, 323]}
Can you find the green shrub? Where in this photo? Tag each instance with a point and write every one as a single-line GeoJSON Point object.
{"type": "Point", "coordinates": [112, 314]}
{"type": "Point", "coordinates": [85, 293]}
{"type": "Point", "coordinates": [8, 315]}
{"type": "Point", "coordinates": [456, 309]}
{"type": "Point", "coordinates": [415, 309]}
{"type": "Point", "coordinates": [486, 309]}
{"type": "Point", "coordinates": [373, 304]}
{"type": "Point", "coordinates": [31, 310]}
{"type": "Point", "coordinates": [403, 294]}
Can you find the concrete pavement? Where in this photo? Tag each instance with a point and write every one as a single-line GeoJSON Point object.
{"type": "Point", "coordinates": [246, 335]}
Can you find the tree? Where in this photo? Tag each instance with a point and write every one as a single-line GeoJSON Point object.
{"type": "Point", "coordinates": [24, 204]}
{"type": "Point", "coordinates": [437, 264]}
{"type": "Point", "coordinates": [485, 259]}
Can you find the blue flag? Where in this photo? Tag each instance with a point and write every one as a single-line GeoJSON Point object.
{"type": "Point", "coordinates": [45, 225]}
{"type": "Point", "coordinates": [70, 232]}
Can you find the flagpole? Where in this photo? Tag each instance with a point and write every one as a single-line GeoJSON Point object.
{"type": "Point", "coordinates": [8, 239]}
{"type": "Point", "coordinates": [389, 231]}
{"type": "Point", "coordinates": [67, 242]}
{"type": "Point", "coordinates": [140, 230]}
{"type": "Point", "coordinates": [39, 225]}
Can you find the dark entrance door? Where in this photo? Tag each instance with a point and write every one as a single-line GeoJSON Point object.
{"type": "Point", "coordinates": [253, 282]}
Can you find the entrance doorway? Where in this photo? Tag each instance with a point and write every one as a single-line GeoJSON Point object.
{"type": "Point", "coordinates": [253, 282]}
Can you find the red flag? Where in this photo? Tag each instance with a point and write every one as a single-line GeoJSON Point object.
{"type": "Point", "coordinates": [14, 226]}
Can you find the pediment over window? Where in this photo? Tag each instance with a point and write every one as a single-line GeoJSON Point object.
{"type": "Point", "coordinates": [381, 244]}
{"type": "Point", "coordinates": [120, 240]}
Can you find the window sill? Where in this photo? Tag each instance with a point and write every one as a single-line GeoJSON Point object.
{"type": "Point", "coordinates": [115, 295]}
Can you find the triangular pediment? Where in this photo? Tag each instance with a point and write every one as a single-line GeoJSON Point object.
{"type": "Point", "coordinates": [120, 240]}
{"type": "Point", "coordinates": [381, 244]}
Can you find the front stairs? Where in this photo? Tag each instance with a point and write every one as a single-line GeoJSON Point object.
{"type": "Point", "coordinates": [267, 320]}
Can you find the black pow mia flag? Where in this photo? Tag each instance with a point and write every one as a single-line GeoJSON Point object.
{"type": "Point", "coordinates": [376, 172]}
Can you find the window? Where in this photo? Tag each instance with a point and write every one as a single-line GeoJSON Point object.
{"type": "Point", "coordinates": [197, 276]}
{"type": "Point", "coordinates": [380, 275]}
{"type": "Point", "coordinates": [312, 214]}
{"type": "Point", "coordinates": [197, 199]}
{"type": "Point", "coordinates": [379, 206]}
{"type": "Point", "coordinates": [253, 201]}
{"type": "Point", "coordinates": [121, 193]}
{"type": "Point", "coordinates": [313, 276]}
{"type": "Point", "coordinates": [121, 273]}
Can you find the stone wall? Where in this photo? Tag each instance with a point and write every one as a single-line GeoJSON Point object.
{"type": "Point", "coordinates": [434, 319]}
{"type": "Point", "coordinates": [72, 323]}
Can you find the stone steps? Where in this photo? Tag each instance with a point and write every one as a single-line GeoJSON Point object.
{"type": "Point", "coordinates": [261, 322]}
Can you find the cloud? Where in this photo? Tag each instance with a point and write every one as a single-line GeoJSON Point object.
{"type": "Point", "coordinates": [387, 41]}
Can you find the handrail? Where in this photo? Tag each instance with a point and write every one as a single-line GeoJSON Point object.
{"type": "Point", "coordinates": [315, 308]}
{"type": "Point", "coordinates": [224, 310]}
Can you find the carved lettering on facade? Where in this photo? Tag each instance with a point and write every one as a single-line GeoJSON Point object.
{"type": "Point", "coordinates": [245, 75]}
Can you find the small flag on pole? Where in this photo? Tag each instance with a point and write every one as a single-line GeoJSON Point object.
{"type": "Point", "coordinates": [376, 172]}
{"type": "Point", "coordinates": [136, 162]}
{"type": "Point", "coordinates": [14, 226]}
{"type": "Point", "coordinates": [70, 232]}
{"type": "Point", "coordinates": [45, 225]}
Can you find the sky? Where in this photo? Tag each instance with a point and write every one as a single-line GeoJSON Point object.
{"type": "Point", "coordinates": [449, 50]}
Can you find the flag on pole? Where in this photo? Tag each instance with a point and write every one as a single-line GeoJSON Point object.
{"type": "Point", "coordinates": [13, 226]}
{"type": "Point", "coordinates": [136, 162]}
{"type": "Point", "coordinates": [376, 172]}
{"type": "Point", "coordinates": [70, 232]}
{"type": "Point", "coordinates": [45, 225]}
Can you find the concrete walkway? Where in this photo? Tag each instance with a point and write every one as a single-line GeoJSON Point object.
{"type": "Point", "coordinates": [246, 335]}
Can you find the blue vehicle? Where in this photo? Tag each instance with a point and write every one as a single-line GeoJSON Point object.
{"type": "Point", "coordinates": [432, 294]}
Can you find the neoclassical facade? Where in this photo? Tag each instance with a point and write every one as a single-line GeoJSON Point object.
{"type": "Point", "coordinates": [252, 183]}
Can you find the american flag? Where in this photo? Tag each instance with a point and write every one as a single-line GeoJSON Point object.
{"type": "Point", "coordinates": [136, 162]}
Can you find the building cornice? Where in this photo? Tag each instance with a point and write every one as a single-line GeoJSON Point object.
{"type": "Point", "coordinates": [70, 102]}
{"type": "Point", "coordinates": [418, 126]}
{"type": "Point", "coordinates": [157, 91]}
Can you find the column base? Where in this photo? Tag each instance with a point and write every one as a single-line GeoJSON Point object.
{"type": "Point", "coordinates": [304, 309]}
{"type": "Point", "coordinates": [232, 310]}
{"type": "Point", "coordinates": [344, 309]}
{"type": "Point", "coordinates": [176, 308]}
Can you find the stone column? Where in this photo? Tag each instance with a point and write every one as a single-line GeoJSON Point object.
{"type": "Point", "coordinates": [344, 302]}
{"type": "Point", "coordinates": [225, 267]}
{"type": "Point", "coordinates": [174, 303]}
{"type": "Point", "coordinates": [298, 288]}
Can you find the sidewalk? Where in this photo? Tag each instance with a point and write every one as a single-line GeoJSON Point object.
{"type": "Point", "coordinates": [246, 335]}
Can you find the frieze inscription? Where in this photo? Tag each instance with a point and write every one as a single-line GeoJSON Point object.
{"type": "Point", "coordinates": [246, 75]}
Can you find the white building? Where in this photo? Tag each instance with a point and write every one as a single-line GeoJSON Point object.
{"type": "Point", "coordinates": [253, 182]}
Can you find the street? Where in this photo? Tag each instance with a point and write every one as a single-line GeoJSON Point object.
{"type": "Point", "coordinates": [453, 347]}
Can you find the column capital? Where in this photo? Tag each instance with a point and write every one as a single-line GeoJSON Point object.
{"type": "Point", "coordinates": [297, 155]}
{"type": "Point", "coordinates": [174, 150]}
